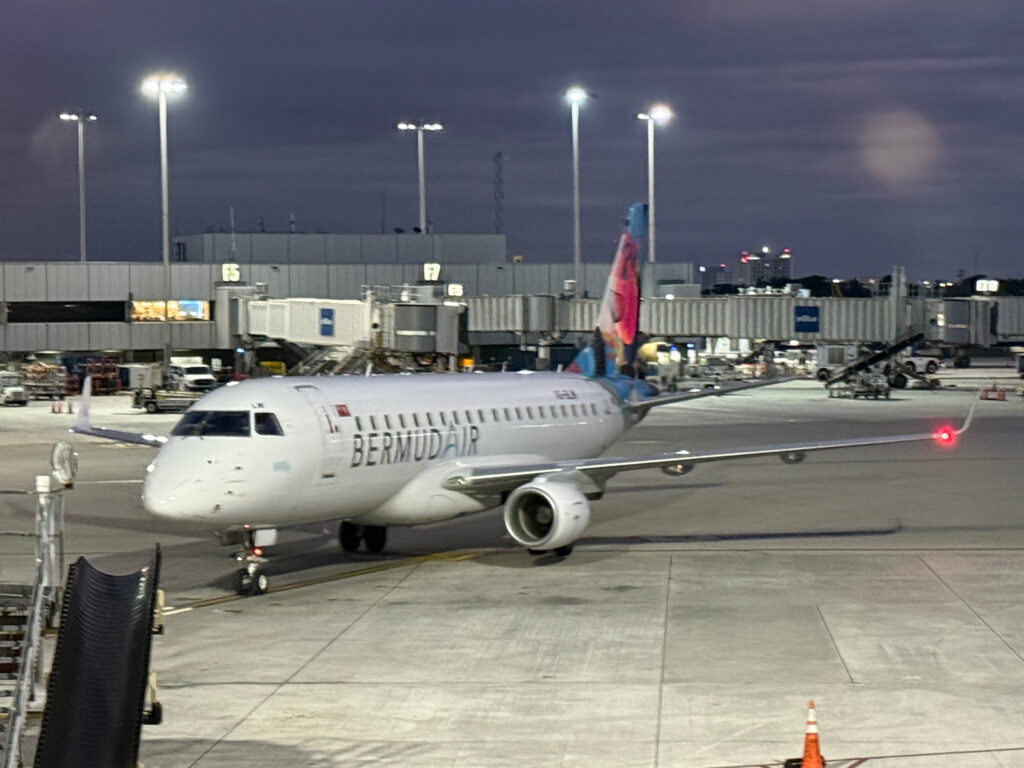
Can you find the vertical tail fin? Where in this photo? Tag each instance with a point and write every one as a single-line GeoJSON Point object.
{"type": "Point", "coordinates": [615, 341]}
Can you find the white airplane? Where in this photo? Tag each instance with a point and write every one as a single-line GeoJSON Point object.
{"type": "Point", "coordinates": [376, 451]}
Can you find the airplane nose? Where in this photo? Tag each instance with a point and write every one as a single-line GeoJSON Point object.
{"type": "Point", "coordinates": [163, 491]}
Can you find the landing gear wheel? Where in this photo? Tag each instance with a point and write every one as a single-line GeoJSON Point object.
{"type": "Point", "coordinates": [349, 536]}
{"type": "Point", "coordinates": [251, 581]}
{"type": "Point", "coordinates": [375, 537]}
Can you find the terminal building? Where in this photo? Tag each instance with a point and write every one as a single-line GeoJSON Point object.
{"type": "Point", "coordinates": [222, 293]}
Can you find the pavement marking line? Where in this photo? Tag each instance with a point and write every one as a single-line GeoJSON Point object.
{"type": "Point", "coordinates": [449, 557]}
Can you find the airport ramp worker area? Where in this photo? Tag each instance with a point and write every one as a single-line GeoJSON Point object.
{"type": "Point", "coordinates": [694, 621]}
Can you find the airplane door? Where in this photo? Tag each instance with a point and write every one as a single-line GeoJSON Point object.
{"type": "Point", "coordinates": [331, 441]}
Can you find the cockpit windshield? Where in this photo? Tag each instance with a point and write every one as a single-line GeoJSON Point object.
{"type": "Point", "coordinates": [213, 424]}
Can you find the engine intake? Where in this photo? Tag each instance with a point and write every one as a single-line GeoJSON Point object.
{"type": "Point", "coordinates": [546, 515]}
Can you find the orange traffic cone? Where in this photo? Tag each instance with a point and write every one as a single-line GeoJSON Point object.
{"type": "Point", "coordinates": [812, 750]}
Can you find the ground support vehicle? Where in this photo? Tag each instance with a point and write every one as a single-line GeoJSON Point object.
{"type": "Point", "coordinates": [43, 380]}
{"type": "Point", "coordinates": [190, 374]}
{"type": "Point", "coordinates": [861, 385]}
{"type": "Point", "coordinates": [153, 400]}
{"type": "Point", "coordinates": [11, 390]}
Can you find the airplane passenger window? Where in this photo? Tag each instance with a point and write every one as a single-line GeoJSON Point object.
{"type": "Point", "coordinates": [469, 416]}
{"type": "Point", "coordinates": [444, 421]}
{"type": "Point", "coordinates": [401, 420]}
{"type": "Point", "coordinates": [508, 415]}
{"type": "Point", "coordinates": [430, 420]}
{"type": "Point", "coordinates": [480, 413]}
{"type": "Point", "coordinates": [494, 413]}
{"type": "Point", "coordinates": [575, 411]}
{"type": "Point", "coordinates": [565, 411]}
{"type": "Point", "coordinates": [519, 414]}
{"type": "Point", "coordinates": [387, 421]}
{"type": "Point", "coordinates": [267, 424]}
{"type": "Point", "coordinates": [593, 409]}
{"type": "Point", "coordinates": [359, 424]}
{"type": "Point", "coordinates": [529, 412]}
{"type": "Point", "coordinates": [540, 411]}
{"type": "Point", "coordinates": [415, 420]}
{"type": "Point", "coordinates": [213, 424]}
{"type": "Point", "coordinates": [455, 417]}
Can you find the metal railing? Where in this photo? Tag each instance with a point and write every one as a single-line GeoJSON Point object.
{"type": "Point", "coordinates": [46, 593]}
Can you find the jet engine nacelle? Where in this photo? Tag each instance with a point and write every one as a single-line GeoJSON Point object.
{"type": "Point", "coordinates": [546, 515]}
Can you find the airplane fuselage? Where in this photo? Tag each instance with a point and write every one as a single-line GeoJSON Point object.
{"type": "Point", "coordinates": [377, 450]}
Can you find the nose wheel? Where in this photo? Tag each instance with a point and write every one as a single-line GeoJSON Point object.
{"type": "Point", "coordinates": [250, 580]}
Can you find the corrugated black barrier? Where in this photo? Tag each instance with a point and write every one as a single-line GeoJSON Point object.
{"type": "Point", "coordinates": [97, 685]}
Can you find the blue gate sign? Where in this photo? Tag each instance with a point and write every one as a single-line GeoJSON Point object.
{"type": "Point", "coordinates": [326, 322]}
{"type": "Point", "coordinates": [806, 319]}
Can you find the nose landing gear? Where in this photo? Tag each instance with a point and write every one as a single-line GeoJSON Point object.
{"type": "Point", "coordinates": [250, 580]}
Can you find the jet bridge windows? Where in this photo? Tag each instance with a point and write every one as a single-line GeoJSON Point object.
{"type": "Point", "coordinates": [213, 424]}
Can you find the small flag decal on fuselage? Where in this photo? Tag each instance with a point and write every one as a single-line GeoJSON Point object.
{"type": "Point", "coordinates": [342, 410]}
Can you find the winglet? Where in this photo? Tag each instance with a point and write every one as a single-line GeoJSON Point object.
{"type": "Point", "coordinates": [82, 422]}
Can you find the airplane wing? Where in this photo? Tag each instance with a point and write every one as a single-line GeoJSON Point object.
{"type": "Point", "coordinates": [83, 426]}
{"type": "Point", "coordinates": [489, 480]}
{"type": "Point", "coordinates": [641, 406]}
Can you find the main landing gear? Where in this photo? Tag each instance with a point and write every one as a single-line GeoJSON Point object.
{"type": "Point", "coordinates": [250, 580]}
{"type": "Point", "coordinates": [373, 536]}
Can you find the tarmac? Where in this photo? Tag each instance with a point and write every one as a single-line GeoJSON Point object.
{"type": "Point", "coordinates": [689, 628]}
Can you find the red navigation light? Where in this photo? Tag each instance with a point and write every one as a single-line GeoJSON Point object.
{"type": "Point", "coordinates": [945, 436]}
{"type": "Point", "coordinates": [258, 551]}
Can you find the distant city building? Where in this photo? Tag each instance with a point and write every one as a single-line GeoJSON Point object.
{"type": "Point", "coordinates": [764, 266]}
{"type": "Point", "coordinates": [722, 275]}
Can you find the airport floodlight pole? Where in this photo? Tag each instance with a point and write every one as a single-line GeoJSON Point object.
{"type": "Point", "coordinates": [576, 96]}
{"type": "Point", "coordinates": [80, 118]}
{"type": "Point", "coordinates": [420, 128]}
{"type": "Point", "coordinates": [658, 114]}
{"type": "Point", "coordinates": [159, 86]}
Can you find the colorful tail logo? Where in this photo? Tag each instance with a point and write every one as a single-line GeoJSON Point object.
{"type": "Point", "coordinates": [615, 338]}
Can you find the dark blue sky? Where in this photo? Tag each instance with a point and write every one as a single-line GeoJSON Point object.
{"type": "Point", "coordinates": [860, 134]}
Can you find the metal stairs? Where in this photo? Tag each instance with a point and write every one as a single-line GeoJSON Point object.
{"type": "Point", "coordinates": [15, 609]}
